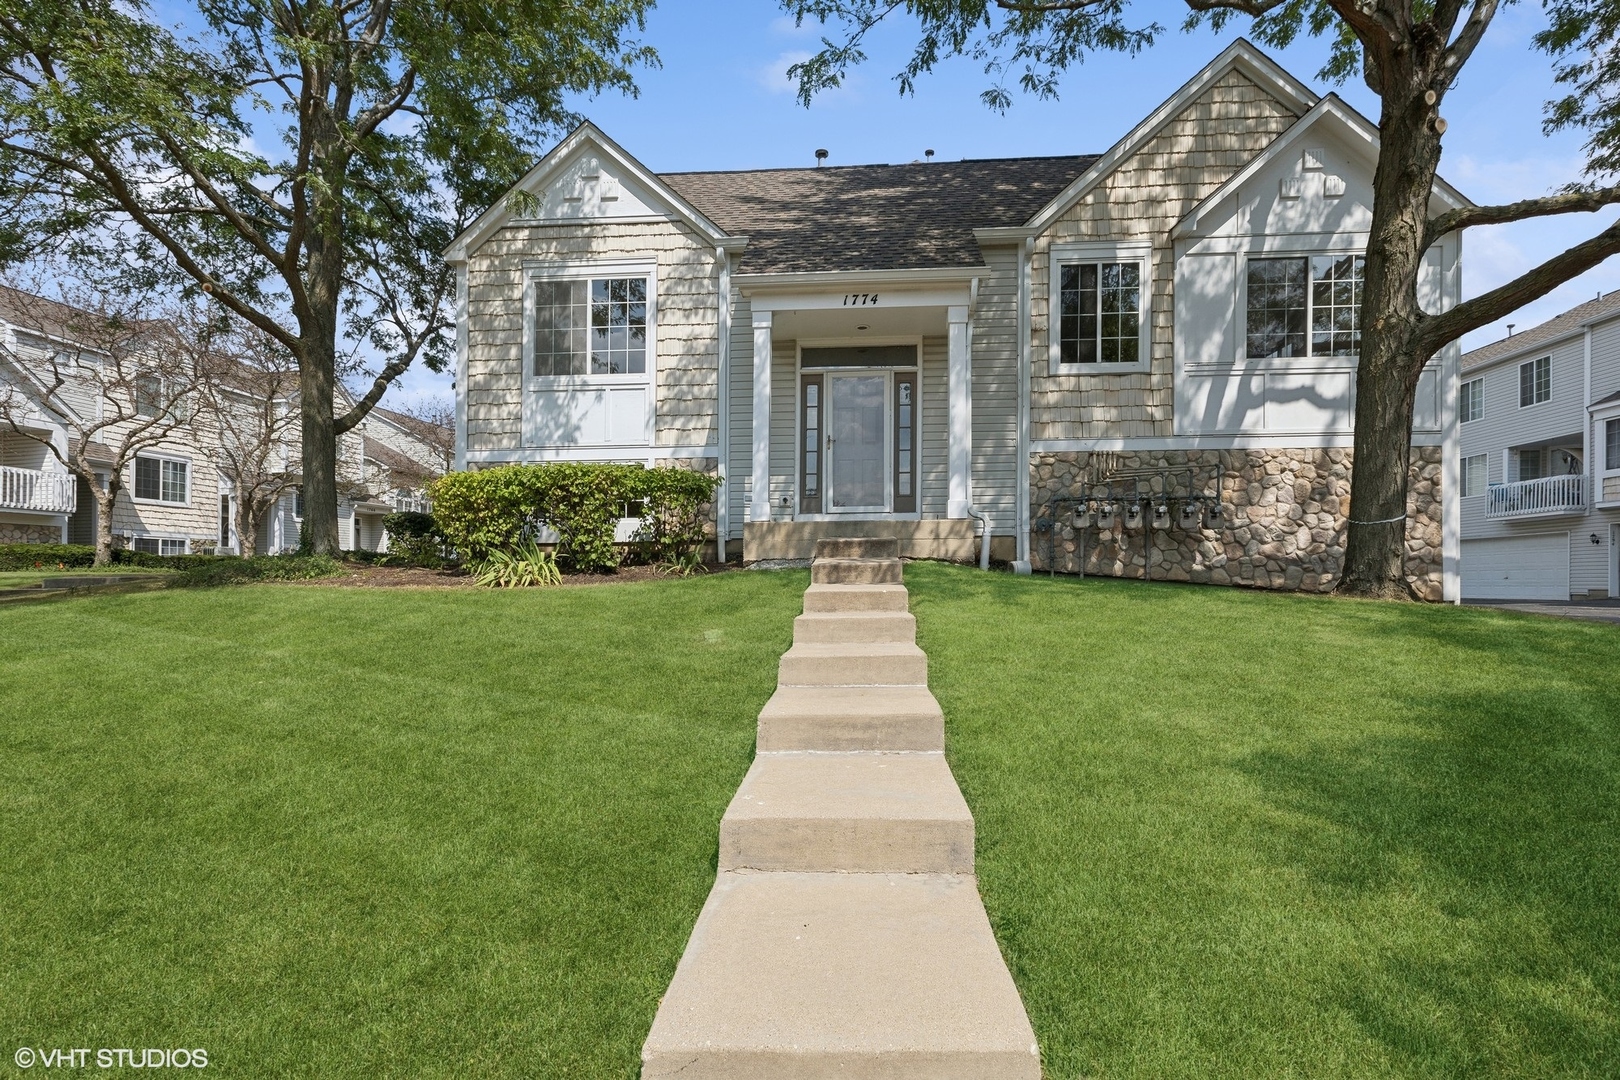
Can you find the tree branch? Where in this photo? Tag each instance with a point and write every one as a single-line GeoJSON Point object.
{"type": "Point", "coordinates": [1436, 331]}
{"type": "Point", "coordinates": [1570, 202]}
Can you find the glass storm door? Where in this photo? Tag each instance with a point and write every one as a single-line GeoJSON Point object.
{"type": "Point", "coordinates": [857, 442]}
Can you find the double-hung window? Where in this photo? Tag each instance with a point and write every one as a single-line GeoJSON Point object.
{"type": "Point", "coordinates": [1471, 401]}
{"type": "Point", "coordinates": [1535, 382]}
{"type": "Point", "coordinates": [1473, 475]}
{"type": "Point", "coordinates": [1303, 306]}
{"type": "Point", "coordinates": [1100, 299]}
{"type": "Point", "coordinates": [1611, 445]}
{"type": "Point", "coordinates": [590, 326]}
{"type": "Point", "coordinates": [158, 545]}
{"type": "Point", "coordinates": [162, 480]}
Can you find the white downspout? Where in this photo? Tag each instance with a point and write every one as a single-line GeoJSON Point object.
{"type": "Point", "coordinates": [722, 509]}
{"type": "Point", "coordinates": [1021, 561]}
{"type": "Point", "coordinates": [462, 331]}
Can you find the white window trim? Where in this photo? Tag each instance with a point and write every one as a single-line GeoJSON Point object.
{"type": "Point", "coordinates": [1466, 383]}
{"type": "Point", "coordinates": [1125, 251]}
{"type": "Point", "coordinates": [184, 541]}
{"type": "Point", "coordinates": [191, 477]}
{"type": "Point", "coordinates": [1519, 373]}
{"type": "Point", "coordinates": [1462, 475]}
{"type": "Point", "coordinates": [1600, 422]}
{"type": "Point", "coordinates": [535, 271]}
{"type": "Point", "coordinates": [1289, 362]}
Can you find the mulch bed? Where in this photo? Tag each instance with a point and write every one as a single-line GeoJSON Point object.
{"type": "Point", "coordinates": [359, 576]}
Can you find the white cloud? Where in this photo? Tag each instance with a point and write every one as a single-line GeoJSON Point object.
{"type": "Point", "coordinates": [774, 77]}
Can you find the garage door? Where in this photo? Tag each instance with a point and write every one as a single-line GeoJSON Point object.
{"type": "Point", "coordinates": [1516, 568]}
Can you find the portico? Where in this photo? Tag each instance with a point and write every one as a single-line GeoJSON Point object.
{"type": "Point", "coordinates": [862, 409]}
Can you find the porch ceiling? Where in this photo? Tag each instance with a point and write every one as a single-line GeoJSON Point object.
{"type": "Point", "coordinates": [845, 323]}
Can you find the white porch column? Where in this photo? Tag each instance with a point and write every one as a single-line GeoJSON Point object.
{"type": "Point", "coordinates": [961, 413]}
{"type": "Point", "coordinates": [760, 505]}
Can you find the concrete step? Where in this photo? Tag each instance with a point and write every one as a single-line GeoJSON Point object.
{"type": "Point", "coordinates": [851, 718]}
{"type": "Point", "coordinates": [858, 813]}
{"type": "Point", "coordinates": [828, 627]}
{"type": "Point", "coordinates": [855, 598]}
{"type": "Point", "coordinates": [846, 664]}
{"type": "Point", "coordinates": [857, 976]}
{"type": "Point", "coordinates": [855, 572]}
{"type": "Point", "coordinates": [858, 547]}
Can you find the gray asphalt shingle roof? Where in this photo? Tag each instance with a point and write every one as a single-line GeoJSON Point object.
{"type": "Point", "coordinates": [874, 217]}
{"type": "Point", "coordinates": [1555, 327]}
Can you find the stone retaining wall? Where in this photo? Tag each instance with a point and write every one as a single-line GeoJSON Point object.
{"type": "Point", "coordinates": [1283, 520]}
{"type": "Point", "coordinates": [16, 532]}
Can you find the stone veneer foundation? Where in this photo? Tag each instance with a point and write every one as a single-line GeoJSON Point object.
{"type": "Point", "coordinates": [15, 532]}
{"type": "Point", "coordinates": [1283, 527]}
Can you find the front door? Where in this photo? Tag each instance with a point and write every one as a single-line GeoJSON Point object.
{"type": "Point", "coordinates": [858, 443]}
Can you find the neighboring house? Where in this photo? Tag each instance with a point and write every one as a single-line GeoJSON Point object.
{"type": "Point", "coordinates": [384, 465]}
{"type": "Point", "coordinates": [170, 504]}
{"type": "Point", "coordinates": [177, 499]}
{"type": "Point", "coordinates": [1539, 444]}
{"type": "Point", "coordinates": [1152, 349]}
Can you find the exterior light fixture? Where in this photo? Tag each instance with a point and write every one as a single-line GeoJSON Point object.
{"type": "Point", "coordinates": [1595, 539]}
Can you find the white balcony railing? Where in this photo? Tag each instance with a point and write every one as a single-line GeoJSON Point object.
{"type": "Point", "coordinates": [1545, 497]}
{"type": "Point", "coordinates": [32, 489]}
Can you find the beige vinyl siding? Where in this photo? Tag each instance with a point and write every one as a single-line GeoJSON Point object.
{"type": "Point", "coordinates": [686, 402]}
{"type": "Point", "coordinates": [197, 522]}
{"type": "Point", "coordinates": [995, 392]}
{"type": "Point", "coordinates": [935, 474]}
{"type": "Point", "coordinates": [1145, 195]}
{"type": "Point", "coordinates": [742, 410]}
{"type": "Point", "coordinates": [784, 404]}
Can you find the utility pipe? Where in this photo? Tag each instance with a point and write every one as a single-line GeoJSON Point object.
{"type": "Point", "coordinates": [984, 536]}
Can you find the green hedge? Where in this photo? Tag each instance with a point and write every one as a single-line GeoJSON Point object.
{"type": "Point", "coordinates": [491, 510]}
{"type": "Point", "coordinates": [232, 570]}
{"type": "Point", "coordinates": [44, 556]}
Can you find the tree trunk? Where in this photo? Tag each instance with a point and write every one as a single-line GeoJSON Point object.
{"type": "Point", "coordinates": [249, 515]}
{"type": "Point", "coordinates": [316, 381]}
{"type": "Point", "coordinates": [105, 500]}
{"type": "Point", "coordinates": [1387, 373]}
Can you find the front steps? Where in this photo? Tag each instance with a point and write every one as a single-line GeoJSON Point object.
{"type": "Point", "coordinates": [844, 936]}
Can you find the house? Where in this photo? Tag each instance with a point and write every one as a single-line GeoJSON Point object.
{"type": "Point", "coordinates": [384, 464]}
{"type": "Point", "coordinates": [1138, 362]}
{"type": "Point", "coordinates": [57, 384]}
{"type": "Point", "coordinates": [179, 496]}
{"type": "Point", "coordinates": [1539, 447]}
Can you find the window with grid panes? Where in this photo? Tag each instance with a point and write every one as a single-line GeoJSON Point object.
{"type": "Point", "coordinates": [1099, 312]}
{"type": "Point", "coordinates": [594, 326]}
{"type": "Point", "coordinates": [1300, 306]}
{"type": "Point", "coordinates": [1471, 401]}
{"type": "Point", "coordinates": [1535, 382]}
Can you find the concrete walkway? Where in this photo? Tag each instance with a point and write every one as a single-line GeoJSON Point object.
{"type": "Point", "coordinates": [1597, 610]}
{"type": "Point", "coordinates": [844, 936]}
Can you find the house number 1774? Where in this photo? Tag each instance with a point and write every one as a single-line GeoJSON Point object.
{"type": "Point", "coordinates": [861, 299]}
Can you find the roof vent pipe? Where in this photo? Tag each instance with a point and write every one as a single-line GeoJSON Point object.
{"type": "Point", "coordinates": [821, 155]}
{"type": "Point", "coordinates": [1510, 327]}
{"type": "Point", "coordinates": [929, 154]}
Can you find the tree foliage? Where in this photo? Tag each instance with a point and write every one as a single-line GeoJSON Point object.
{"type": "Point", "coordinates": [303, 162]}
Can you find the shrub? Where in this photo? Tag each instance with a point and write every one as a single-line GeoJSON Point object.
{"type": "Point", "coordinates": [413, 540]}
{"type": "Point", "coordinates": [45, 556]}
{"type": "Point", "coordinates": [479, 513]}
{"type": "Point", "coordinates": [230, 570]}
{"type": "Point", "coordinates": [523, 566]}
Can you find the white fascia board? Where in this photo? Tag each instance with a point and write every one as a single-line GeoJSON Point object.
{"type": "Point", "coordinates": [761, 284]}
{"type": "Point", "coordinates": [498, 215]}
{"type": "Point", "coordinates": [1358, 132]}
{"type": "Point", "coordinates": [1256, 65]}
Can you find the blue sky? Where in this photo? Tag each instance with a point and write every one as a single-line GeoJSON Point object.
{"type": "Point", "coordinates": [721, 101]}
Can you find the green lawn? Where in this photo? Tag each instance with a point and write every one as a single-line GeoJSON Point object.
{"type": "Point", "coordinates": [333, 832]}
